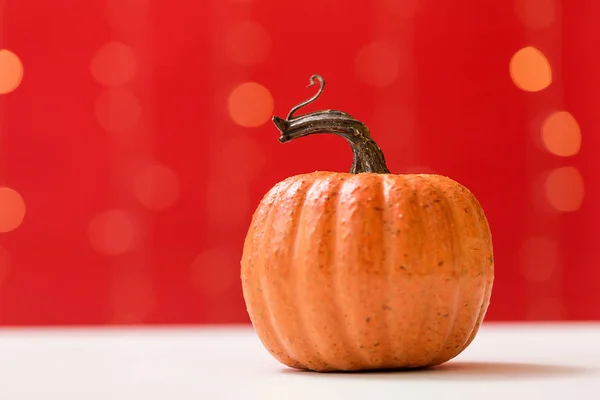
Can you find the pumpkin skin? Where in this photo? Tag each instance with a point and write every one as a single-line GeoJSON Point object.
{"type": "Point", "coordinates": [347, 272]}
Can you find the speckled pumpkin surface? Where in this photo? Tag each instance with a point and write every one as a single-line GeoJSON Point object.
{"type": "Point", "coordinates": [366, 270]}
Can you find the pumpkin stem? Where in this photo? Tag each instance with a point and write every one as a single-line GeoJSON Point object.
{"type": "Point", "coordinates": [368, 157]}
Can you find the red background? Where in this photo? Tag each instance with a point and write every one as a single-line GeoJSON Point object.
{"type": "Point", "coordinates": [104, 242]}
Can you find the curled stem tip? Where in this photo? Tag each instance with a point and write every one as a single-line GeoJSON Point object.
{"type": "Point", "coordinates": [313, 79]}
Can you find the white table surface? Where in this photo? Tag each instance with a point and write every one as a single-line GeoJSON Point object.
{"type": "Point", "coordinates": [508, 362]}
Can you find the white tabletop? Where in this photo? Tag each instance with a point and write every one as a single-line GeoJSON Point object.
{"type": "Point", "coordinates": [504, 362]}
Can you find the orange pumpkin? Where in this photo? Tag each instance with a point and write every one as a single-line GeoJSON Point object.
{"type": "Point", "coordinates": [365, 270]}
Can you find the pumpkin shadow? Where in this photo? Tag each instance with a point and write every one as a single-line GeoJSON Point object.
{"type": "Point", "coordinates": [460, 370]}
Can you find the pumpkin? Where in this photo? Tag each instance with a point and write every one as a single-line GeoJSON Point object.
{"type": "Point", "coordinates": [365, 270]}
